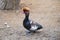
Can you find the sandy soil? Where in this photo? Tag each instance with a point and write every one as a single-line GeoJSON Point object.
{"type": "Point", "coordinates": [46, 13]}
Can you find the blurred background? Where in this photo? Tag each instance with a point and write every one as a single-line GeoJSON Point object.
{"type": "Point", "coordinates": [45, 12]}
{"type": "Point", "coordinates": [9, 4]}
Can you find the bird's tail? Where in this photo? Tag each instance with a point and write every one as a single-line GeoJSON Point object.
{"type": "Point", "coordinates": [40, 27]}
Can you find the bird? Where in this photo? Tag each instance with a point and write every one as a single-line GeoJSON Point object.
{"type": "Point", "coordinates": [28, 24]}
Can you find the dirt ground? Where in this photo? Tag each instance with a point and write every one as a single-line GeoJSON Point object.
{"type": "Point", "coordinates": [45, 12]}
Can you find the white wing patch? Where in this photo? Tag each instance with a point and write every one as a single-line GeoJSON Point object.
{"type": "Point", "coordinates": [34, 27]}
{"type": "Point", "coordinates": [31, 22]}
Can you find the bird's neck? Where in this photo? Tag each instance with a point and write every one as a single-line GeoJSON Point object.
{"type": "Point", "coordinates": [26, 17]}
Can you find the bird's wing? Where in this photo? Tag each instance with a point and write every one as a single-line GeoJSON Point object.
{"type": "Point", "coordinates": [30, 21]}
{"type": "Point", "coordinates": [35, 25]}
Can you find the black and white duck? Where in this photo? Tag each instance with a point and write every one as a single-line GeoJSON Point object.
{"type": "Point", "coordinates": [28, 24]}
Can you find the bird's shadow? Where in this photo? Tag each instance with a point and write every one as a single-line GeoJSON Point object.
{"type": "Point", "coordinates": [34, 33]}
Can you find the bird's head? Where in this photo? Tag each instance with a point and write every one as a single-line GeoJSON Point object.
{"type": "Point", "coordinates": [26, 10]}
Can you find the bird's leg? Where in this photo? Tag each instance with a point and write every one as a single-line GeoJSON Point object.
{"type": "Point", "coordinates": [28, 31]}
{"type": "Point", "coordinates": [33, 31]}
